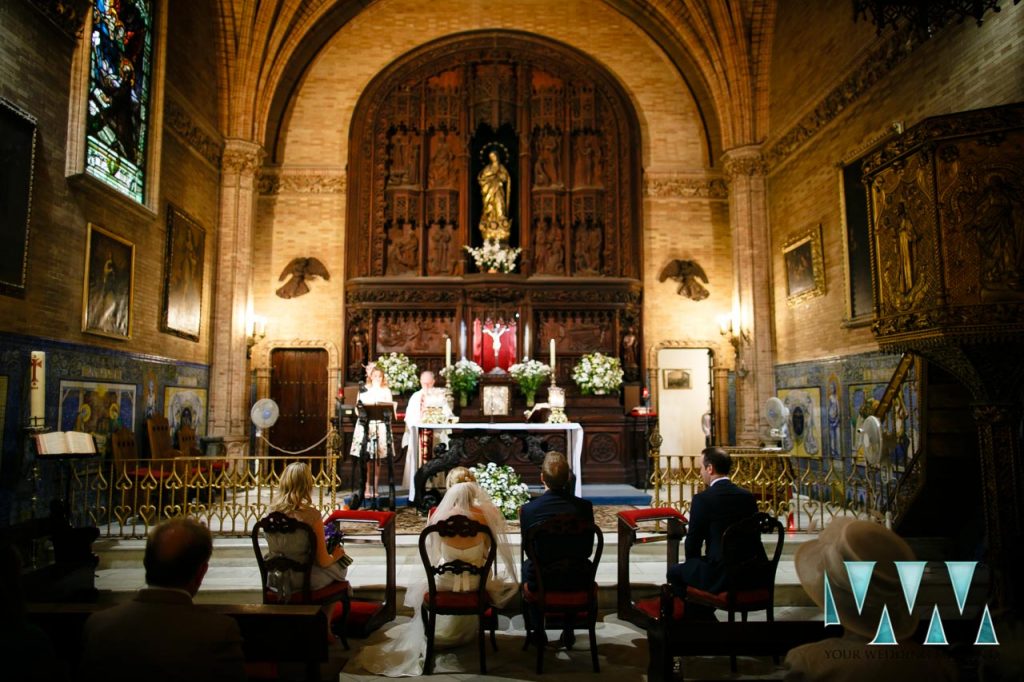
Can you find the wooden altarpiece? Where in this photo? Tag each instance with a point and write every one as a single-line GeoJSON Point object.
{"type": "Point", "coordinates": [569, 138]}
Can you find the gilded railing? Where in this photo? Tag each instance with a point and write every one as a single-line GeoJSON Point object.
{"type": "Point", "coordinates": [127, 497]}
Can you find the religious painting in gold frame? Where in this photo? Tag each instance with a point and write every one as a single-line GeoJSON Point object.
{"type": "Point", "coordinates": [804, 266]}
{"type": "Point", "coordinates": [109, 284]}
{"type": "Point", "coordinates": [183, 275]}
{"type": "Point", "coordinates": [496, 400]}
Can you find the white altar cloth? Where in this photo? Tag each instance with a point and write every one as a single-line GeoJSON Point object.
{"type": "Point", "coordinates": [573, 443]}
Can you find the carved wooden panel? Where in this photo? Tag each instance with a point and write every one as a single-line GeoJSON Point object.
{"type": "Point", "coordinates": [413, 332]}
{"type": "Point", "coordinates": [416, 134]}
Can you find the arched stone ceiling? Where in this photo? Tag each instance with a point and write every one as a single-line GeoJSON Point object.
{"type": "Point", "coordinates": [720, 48]}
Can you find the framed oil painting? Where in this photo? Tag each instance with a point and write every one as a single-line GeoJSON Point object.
{"type": "Point", "coordinates": [675, 379]}
{"type": "Point", "coordinates": [109, 280]}
{"type": "Point", "coordinates": [17, 164]}
{"type": "Point", "coordinates": [185, 405]}
{"type": "Point", "coordinates": [805, 272]}
{"type": "Point", "coordinates": [183, 275]}
{"type": "Point", "coordinates": [804, 405]}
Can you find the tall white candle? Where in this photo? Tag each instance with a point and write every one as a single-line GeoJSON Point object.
{"type": "Point", "coordinates": [552, 346]}
{"type": "Point", "coordinates": [462, 339]}
{"type": "Point", "coordinates": [526, 341]}
{"type": "Point", "coordinates": [37, 388]}
{"type": "Point", "coordinates": [447, 351]}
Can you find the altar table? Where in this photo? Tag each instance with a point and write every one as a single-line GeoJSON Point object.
{"type": "Point", "coordinates": [573, 443]}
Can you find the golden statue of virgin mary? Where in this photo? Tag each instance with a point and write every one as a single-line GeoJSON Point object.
{"type": "Point", "coordinates": [496, 192]}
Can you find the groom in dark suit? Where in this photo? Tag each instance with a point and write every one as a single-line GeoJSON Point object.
{"type": "Point", "coordinates": [720, 505]}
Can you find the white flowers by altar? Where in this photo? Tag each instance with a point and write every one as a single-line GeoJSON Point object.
{"type": "Point", "coordinates": [400, 372]}
{"type": "Point", "coordinates": [597, 374]}
{"type": "Point", "coordinates": [530, 375]}
{"type": "Point", "coordinates": [502, 483]}
{"type": "Point", "coordinates": [462, 377]}
{"type": "Point", "coordinates": [493, 256]}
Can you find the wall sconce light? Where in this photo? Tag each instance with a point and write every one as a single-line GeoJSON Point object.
{"type": "Point", "coordinates": [257, 332]}
{"type": "Point", "coordinates": [727, 327]}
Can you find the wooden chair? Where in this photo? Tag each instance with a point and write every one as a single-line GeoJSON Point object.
{"type": "Point", "coordinates": [337, 591]}
{"type": "Point", "coordinates": [565, 590]}
{"type": "Point", "coordinates": [642, 612]}
{"type": "Point", "coordinates": [447, 602]}
{"type": "Point", "coordinates": [129, 469]}
{"type": "Point", "coordinates": [751, 581]}
{"type": "Point", "coordinates": [188, 445]}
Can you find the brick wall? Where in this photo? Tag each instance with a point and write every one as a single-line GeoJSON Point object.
{"type": "Point", "coordinates": [316, 137]}
{"type": "Point", "coordinates": [35, 73]}
{"type": "Point", "coordinates": [963, 67]}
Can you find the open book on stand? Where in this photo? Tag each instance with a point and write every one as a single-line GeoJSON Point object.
{"type": "Point", "coordinates": [65, 443]}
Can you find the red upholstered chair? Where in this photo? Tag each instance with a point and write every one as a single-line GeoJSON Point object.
{"type": "Point", "coordinates": [475, 603]}
{"type": "Point", "coordinates": [366, 615]}
{"type": "Point", "coordinates": [337, 591]}
{"type": "Point", "coordinates": [752, 584]}
{"type": "Point", "coordinates": [661, 524]}
{"type": "Point", "coordinates": [566, 592]}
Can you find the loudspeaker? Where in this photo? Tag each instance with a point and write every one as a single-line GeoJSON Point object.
{"type": "Point", "coordinates": [630, 397]}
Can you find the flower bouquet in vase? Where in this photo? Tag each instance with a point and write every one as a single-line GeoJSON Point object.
{"type": "Point", "coordinates": [597, 374]}
{"type": "Point", "coordinates": [530, 375]}
{"type": "Point", "coordinates": [400, 372]}
{"type": "Point", "coordinates": [503, 484]}
{"type": "Point", "coordinates": [462, 378]}
{"type": "Point", "coordinates": [493, 257]}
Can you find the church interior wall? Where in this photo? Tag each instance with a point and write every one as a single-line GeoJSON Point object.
{"type": "Point", "coordinates": [315, 139]}
{"type": "Point", "coordinates": [35, 75]}
{"type": "Point", "coordinates": [963, 67]}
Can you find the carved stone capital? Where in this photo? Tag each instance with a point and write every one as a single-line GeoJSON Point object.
{"type": "Point", "coordinates": [744, 161]}
{"type": "Point", "coordinates": [184, 127]}
{"type": "Point", "coordinates": [67, 15]}
{"type": "Point", "coordinates": [278, 181]}
{"type": "Point", "coordinates": [671, 186]}
{"type": "Point", "coordinates": [241, 156]}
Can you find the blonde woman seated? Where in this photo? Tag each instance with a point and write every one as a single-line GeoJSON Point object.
{"type": "Point", "coordinates": [294, 499]}
{"type": "Point", "coordinates": [402, 651]}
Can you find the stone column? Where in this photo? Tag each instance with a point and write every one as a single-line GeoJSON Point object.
{"type": "Point", "coordinates": [229, 376]}
{"type": "Point", "coordinates": [752, 306]}
{"type": "Point", "coordinates": [721, 406]}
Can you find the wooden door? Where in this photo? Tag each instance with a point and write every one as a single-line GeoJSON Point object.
{"type": "Point", "coordinates": [298, 383]}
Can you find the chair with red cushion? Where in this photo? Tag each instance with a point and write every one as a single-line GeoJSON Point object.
{"type": "Point", "coordinates": [566, 592]}
{"type": "Point", "coordinates": [751, 581]}
{"type": "Point", "coordinates": [660, 524]}
{"type": "Point", "coordinates": [468, 603]}
{"type": "Point", "coordinates": [337, 591]}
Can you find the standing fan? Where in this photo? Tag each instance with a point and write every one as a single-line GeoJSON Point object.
{"type": "Point", "coordinates": [263, 414]}
{"type": "Point", "coordinates": [871, 439]}
{"type": "Point", "coordinates": [776, 414]}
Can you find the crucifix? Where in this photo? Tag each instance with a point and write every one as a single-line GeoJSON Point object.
{"type": "Point", "coordinates": [495, 333]}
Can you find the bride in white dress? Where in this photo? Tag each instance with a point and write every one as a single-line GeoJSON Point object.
{"type": "Point", "coordinates": [400, 651]}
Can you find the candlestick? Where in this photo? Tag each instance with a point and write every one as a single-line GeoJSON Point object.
{"type": "Point", "coordinates": [37, 388]}
{"type": "Point", "coordinates": [462, 339]}
{"type": "Point", "coordinates": [551, 345]}
{"type": "Point", "coordinates": [447, 351]}
{"type": "Point", "coordinates": [526, 341]}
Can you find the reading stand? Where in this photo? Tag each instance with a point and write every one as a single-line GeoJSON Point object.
{"type": "Point", "coordinates": [367, 414]}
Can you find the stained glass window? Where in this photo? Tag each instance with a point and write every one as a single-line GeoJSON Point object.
{"type": "Point", "coordinates": [119, 75]}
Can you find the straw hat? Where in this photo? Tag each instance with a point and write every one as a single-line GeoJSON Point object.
{"type": "Point", "coordinates": [847, 539]}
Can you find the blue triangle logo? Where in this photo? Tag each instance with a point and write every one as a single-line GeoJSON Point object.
{"type": "Point", "coordinates": [911, 573]}
{"type": "Point", "coordinates": [884, 636]}
{"type": "Point", "coordinates": [986, 631]}
{"type": "Point", "coordinates": [936, 633]}
{"type": "Point", "coordinates": [831, 612]}
{"type": "Point", "coordinates": [960, 574]}
{"type": "Point", "coordinates": [860, 577]}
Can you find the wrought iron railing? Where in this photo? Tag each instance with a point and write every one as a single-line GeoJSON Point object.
{"type": "Point", "coordinates": [125, 498]}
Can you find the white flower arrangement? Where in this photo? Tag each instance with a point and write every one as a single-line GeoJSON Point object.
{"type": "Point", "coordinates": [462, 377]}
{"type": "Point", "coordinates": [597, 373]}
{"type": "Point", "coordinates": [530, 375]}
{"type": "Point", "coordinates": [400, 372]}
{"type": "Point", "coordinates": [502, 483]}
{"type": "Point", "coordinates": [493, 256]}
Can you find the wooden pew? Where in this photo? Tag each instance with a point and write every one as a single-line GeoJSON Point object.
{"type": "Point", "coordinates": [270, 634]}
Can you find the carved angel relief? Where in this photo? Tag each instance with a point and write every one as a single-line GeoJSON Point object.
{"type": "Point", "coordinates": [300, 269]}
{"type": "Point", "coordinates": [687, 273]}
